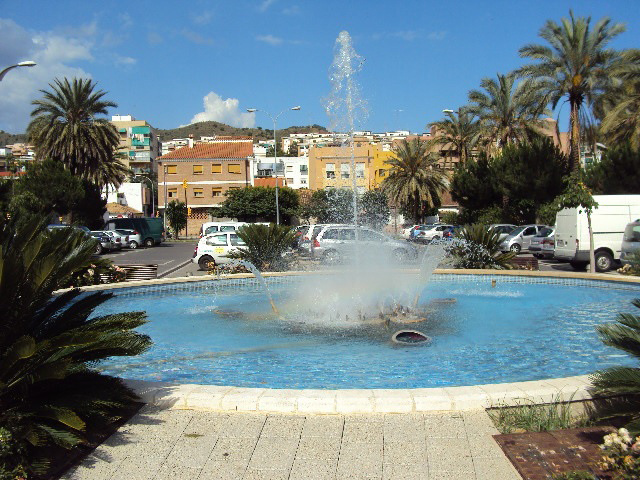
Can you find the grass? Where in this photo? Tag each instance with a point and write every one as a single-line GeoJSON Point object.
{"type": "Point", "coordinates": [529, 417]}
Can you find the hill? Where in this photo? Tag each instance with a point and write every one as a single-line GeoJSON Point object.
{"type": "Point", "coordinates": [209, 129]}
{"type": "Point", "coordinates": [11, 138]}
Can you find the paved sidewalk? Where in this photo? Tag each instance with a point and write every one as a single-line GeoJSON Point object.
{"type": "Point", "coordinates": [187, 444]}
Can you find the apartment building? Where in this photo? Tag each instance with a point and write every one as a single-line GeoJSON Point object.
{"type": "Point", "coordinates": [139, 144]}
{"type": "Point", "coordinates": [294, 170]}
{"type": "Point", "coordinates": [202, 175]}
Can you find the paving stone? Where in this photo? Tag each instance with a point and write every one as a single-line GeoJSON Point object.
{"type": "Point", "coordinates": [448, 448]}
{"type": "Point", "coordinates": [90, 472]}
{"type": "Point", "coordinates": [369, 432]}
{"type": "Point", "coordinates": [444, 426]}
{"type": "Point", "coordinates": [282, 426]}
{"type": "Point", "coordinates": [495, 469]}
{"type": "Point", "coordinates": [206, 424]}
{"type": "Point", "coordinates": [319, 448]}
{"type": "Point", "coordinates": [323, 426]}
{"type": "Point", "coordinates": [139, 468]}
{"type": "Point", "coordinates": [190, 452]}
{"type": "Point", "coordinates": [171, 472]}
{"type": "Point", "coordinates": [484, 447]}
{"type": "Point", "coordinates": [256, 474]}
{"type": "Point", "coordinates": [274, 454]}
{"type": "Point", "coordinates": [451, 475]}
{"type": "Point", "coordinates": [479, 423]}
{"type": "Point", "coordinates": [243, 426]}
{"type": "Point", "coordinates": [405, 472]}
{"type": "Point", "coordinates": [306, 469]}
{"type": "Point", "coordinates": [364, 417]}
{"type": "Point", "coordinates": [404, 452]}
{"type": "Point", "coordinates": [233, 450]}
{"type": "Point", "coordinates": [222, 471]}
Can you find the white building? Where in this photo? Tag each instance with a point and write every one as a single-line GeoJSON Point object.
{"type": "Point", "coordinates": [295, 170]}
{"type": "Point", "coordinates": [134, 195]}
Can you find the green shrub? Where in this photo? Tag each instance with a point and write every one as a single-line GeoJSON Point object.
{"type": "Point", "coordinates": [633, 267]}
{"type": "Point", "coordinates": [450, 218]}
{"type": "Point", "coordinates": [480, 248]}
{"type": "Point", "coordinates": [265, 246]}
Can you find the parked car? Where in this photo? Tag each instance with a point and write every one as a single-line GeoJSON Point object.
{"type": "Point", "coordinates": [215, 247]}
{"type": "Point", "coordinates": [630, 241]}
{"type": "Point", "coordinates": [408, 230]}
{"type": "Point", "coordinates": [118, 239]}
{"type": "Point", "coordinates": [427, 233]}
{"type": "Point", "coordinates": [541, 245]}
{"type": "Point", "coordinates": [151, 229]}
{"type": "Point", "coordinates": [451, 232]}
{"type": "Point", "coordinates": [608, 223]}
{"type": "Point", "coordinates": [106, 243]}
{"type": "Point", "coordinates": [305, 245]}
{"type": "Point", "coordinates": [503, 229]}
{"type": "Point", "coordinates": [134, 238]}
{"type": "Point", "coordinates": [208, 228]}
{"type": "Point", "coordinates": [337, 243]}
{"type": "Point", "coordinates": [520, 238]}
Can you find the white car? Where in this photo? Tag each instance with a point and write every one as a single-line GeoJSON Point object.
{"type": "Point", "coordinates": [215, 247]}
{"type": "Point", "coordinates": [430, 232]}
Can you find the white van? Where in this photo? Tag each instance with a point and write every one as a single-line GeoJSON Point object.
{"type": "Point", "coordinates": [208, 228]}
{"type": "Point", "coordinates": [608, 222]}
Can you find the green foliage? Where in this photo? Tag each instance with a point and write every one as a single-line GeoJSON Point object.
{"type": "Point", "coordinates": [547, 213]}
{"type": "Point", "coordinates": [330, 206]}
{"type": "Point", "coordinates": [575, 475]}
{"type": "Point", "coordinates": [252, 204]}
{"type": "Point", "coordinates": [91, 207]}
{"type": "Point", "coordinates": [529, 417]}
{"type": "Point", "coordinates": [633, 267]}
{"type": "Point", "coordinates": [621, 455]}
{"type": "Point", "coordinates": [13, 456]}
{"type": "Point", "coordinates": [265, 246]}
{"type": "Point", "coordinates": [49, 392]}
{"type": "Point", "coordinates": [414, 182]}
{"type": "Point", "coordinates": [460, 130]}
{"type": "Point", "coordinates": [576, 195]}
{"type": "Point", "coordinates": [622, 382]}
{"type": "Point", "coordinates": [449, 218]}
{"type": "Point", "coordinates": [375, 209]}
{"type": "Point", "coordinates": [176, 213]}
{"type": "Point", "coordinates": [480, 248]}
{"type": "Point", "coordinates": [617, 173]}
{"type": "Point", "coordinates": [474, 186]}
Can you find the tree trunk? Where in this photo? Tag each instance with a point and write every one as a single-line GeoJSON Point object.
{"type": "Point", "coordinates": [574, 138]}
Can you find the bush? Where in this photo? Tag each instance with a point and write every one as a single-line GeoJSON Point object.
{"type": "Point", "coordinates": [450, 218]}
{"type": "Point", "coordinates": [633, 267]}
{"type": "Point", "coordinates": [621, 454]}
{"type": "Point", "coordinates": [479, 247]}
{"type": "Point", "coordinates": [265, 246]}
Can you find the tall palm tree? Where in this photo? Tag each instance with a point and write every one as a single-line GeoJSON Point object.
{"type": "Point", "coordinates": [509, 112]}
{"type": "Point", "coordinates": [620, 107]}
{"type": "Point", "coordinates": [65, 127]}
{"type": "Point", "coordinates": [576, 66]}
{"type": "Point", "coordinates": [414, 181]}
{"type": "Point", "coordinates": [458, 131]}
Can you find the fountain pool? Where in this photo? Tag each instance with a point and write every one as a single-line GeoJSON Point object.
{"type": "Point", "coordinates": [223, 332]}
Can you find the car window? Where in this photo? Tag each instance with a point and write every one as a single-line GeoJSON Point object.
{"type": "Point", "coordinates": [316, 230]}
{"type": "Point", "coordinates": [217, 240]}
{"type": "Point", "coordinates": [347, 234]}
{"type": "Point", "coordinates": [545, 232]}
{"type": "Point", "coordinates": [331, 234]}
{"type": "Point", "coordinates": [632, 233]}
{"type": "Point", "coordinates": [529, 231]}
{"type": "Point", "coordinates": [370, 236]}
{"type": "Point", "coordinates": [236, 241]}
{"type": "Point", "coordinates": [212, 229]}
{"type": "Point", "coordinates": [227, 228]}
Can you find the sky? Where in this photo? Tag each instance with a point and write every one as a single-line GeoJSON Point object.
{"type": "Point", "coordinates": [175, 63]}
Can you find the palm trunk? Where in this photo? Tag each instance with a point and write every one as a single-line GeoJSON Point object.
{"type": "Point", "coordinates": [574, 139]}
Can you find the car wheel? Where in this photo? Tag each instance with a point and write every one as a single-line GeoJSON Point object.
{"type": "Point", "coordinates": [133, 244]}
{"type": "Point", "coordinates": [578, 265]}
{"type": "Point", "coordinates": [515, 248]}
{"type": "Point", "coordinates": [205, 261]}
{"type": "Point", "coordinates": [604, 261]}
{"type": "Point", "coordinates": [331, 257]}
{"type": "Point", "coordinates": [98, 250]}
{"type": "Point", "coordinates": [400, 255]}
{"type": "Point", "coordinates": [148, 242]}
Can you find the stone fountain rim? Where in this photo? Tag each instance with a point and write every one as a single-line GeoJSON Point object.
{"type": "Point", "coordinates": [363, 401]}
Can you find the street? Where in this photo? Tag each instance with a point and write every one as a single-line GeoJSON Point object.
{"type": "Point", "coordinates": [174, 259]}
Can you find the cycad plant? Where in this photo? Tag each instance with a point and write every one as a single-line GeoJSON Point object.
{"type": "Point", "coordinates": [621, 382]}
{"type": "Point", "coordinates": [479, 247]}
{"type": "Point", "coordinates": [50, 394]}
{"type": "Point", "coordinates": [265, 246]}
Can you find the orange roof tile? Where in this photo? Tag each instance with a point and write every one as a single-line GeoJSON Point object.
{"type": "Point", "coordinates": [212, 150]}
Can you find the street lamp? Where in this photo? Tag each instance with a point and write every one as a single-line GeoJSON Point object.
{"type": "Point", "coordinates": [21, 64]}
{"type": "Point", "coordinates": [275, 148]}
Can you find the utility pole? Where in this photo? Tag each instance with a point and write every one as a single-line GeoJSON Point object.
{"type": "Point", "coordinates": [186, 206]}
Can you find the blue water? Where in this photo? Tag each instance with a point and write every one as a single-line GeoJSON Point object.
{"type": "Point", "coordinates": [513, 332]}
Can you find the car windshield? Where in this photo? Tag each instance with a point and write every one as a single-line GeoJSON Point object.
{"type": "Point", "coordinates": [545, 232]}
{"type": "Point", "coordinates": [517, 231]}
{"type": "Point", "coordinates": [632, 233]}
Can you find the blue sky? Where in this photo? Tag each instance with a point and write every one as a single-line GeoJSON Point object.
{"type": "Point", "coordinates": [172, 62]}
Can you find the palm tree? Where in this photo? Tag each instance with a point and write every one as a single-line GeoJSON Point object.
{"type": "Point", "coordinates": [620, 107]}
{"type": "Point", "coordinates": [458, 131]}
{"type": "Point", "coordinates": [576, 66]}
{"type": "Point", "coordinates": [509, 112]}
{"type": "Point", "coordinates": [414, 181]}
{"type": "Point", "coordinates": [49, 392]}
{"type": "Point", "coordinates": [65, 128]}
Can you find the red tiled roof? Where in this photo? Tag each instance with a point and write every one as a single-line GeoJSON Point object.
{"type": "Point", "coordinates": [269, 182]}
{"type": "Point", "coordinates": [212, 150]}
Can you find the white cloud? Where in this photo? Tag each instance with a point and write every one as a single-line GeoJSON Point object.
{"type": "Point", "coordinates": [196, 37]}
{"type": "Point", "coordinates": [269, 39]}
{"type": "Point", "coordinates": [121, 60]}
{"type": "Point", "coordinates": [437, 36]}
{"type": "Point", "coordinates": [125, 20]}
{"type": "Point", "coordinates": [264, 6]}
{"type": "Point", "coordinates": [203, 18]}
{"type": "Point", "coordinates": [292, 10]}
{"type": "Point", "coordinates": [154, 38]}
{"type": "Point", "coordinates": [224, 111]}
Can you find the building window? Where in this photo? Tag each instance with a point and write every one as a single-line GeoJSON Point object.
{"type": "Point", "coordinates": [216, 168]}
{"type": "Point", "coordinates": [216, 192]}
{"type": "Point", "coordinates": [197, 170]}
{"type": "Point", "coordinates": [172, 192]}
{"type": "Point", "coordinates": [359, 170]}
{"type": "Point", "coordinates": [234, 168]}
{"type": "Point", "coordinates": [198, 193]}
{"type": "Point", "coordinates": [303, 181]}
{"type": "Point", "coordinates": [172, 169]}
{"type": "Point", "coordinates": [331, 170]}
{"type": "Point", "coordinates": [382, 172]}
{"type": "Point", "coordinates": [304, 169]}
{"type": "Point", "coordinates": [289, 168]}
{"type": "Point", "coordinates": [289, 181]}
{"type": "Point", "coordinates": [233, 188]}
{"type": "Point", "coordinates": [344, 170]}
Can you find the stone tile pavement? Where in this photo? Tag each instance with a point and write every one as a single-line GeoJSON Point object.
{"type": "Point", "coordinates": [186, 444]}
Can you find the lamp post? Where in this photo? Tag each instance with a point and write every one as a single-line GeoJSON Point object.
{"type": "Point", "coordinates": [21, 64]}
{"type": "Point", "coordinates": [164, 214]}
{"type": "Point", "coordinates": [153, 208]}
{"type": "Point", "coordinates": [275, 150]}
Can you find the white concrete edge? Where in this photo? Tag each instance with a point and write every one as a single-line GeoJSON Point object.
{"type": "Point", "coordinates": [238, 399]}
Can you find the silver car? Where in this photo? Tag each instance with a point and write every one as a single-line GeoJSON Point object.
{"type": "Point", "coordinates": [630, 242]}
{"type": "Point", "coordinates": [541, 245]}
{"type": "Point", "coordinates": [504, 229]}
{"type": "Point", "coordinates": [519, 239]}
{"type": "Point", "coordinates": [105, 244]}
{"type": "Point", "coordinates": [134, 239]}
{"type": "Point", "coordinates": [337, 244]}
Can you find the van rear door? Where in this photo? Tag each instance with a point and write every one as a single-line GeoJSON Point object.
{"type": "Point", "coordinates": [567, 227]}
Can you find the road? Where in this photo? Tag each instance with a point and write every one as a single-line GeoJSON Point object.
{"type": "Point", "coordinates": [174, 260]}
